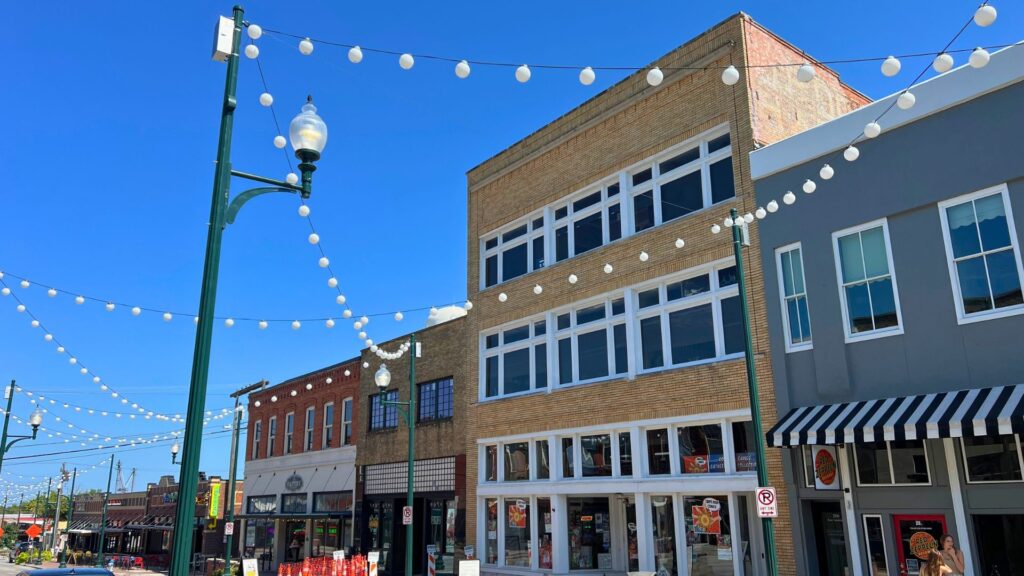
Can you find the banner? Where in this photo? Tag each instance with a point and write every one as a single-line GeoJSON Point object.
{"type": "Point", "coordinates": [214, 507]}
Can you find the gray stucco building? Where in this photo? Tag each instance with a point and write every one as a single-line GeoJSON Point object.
{"type": "Point", "coordinates": [896, 316]}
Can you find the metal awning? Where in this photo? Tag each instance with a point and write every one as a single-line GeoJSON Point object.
{"type": "Point", "coordinates": [993, 411]}
{"type": "Point", "coordinates": [315, 516]}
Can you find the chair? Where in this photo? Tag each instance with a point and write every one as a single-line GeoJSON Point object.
{"type": "Point", "coordinates": [139, 563]}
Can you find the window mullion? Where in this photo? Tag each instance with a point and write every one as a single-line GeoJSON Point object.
{"type": "Point", "coordinates": [626, 205]}
{"type": "Point", "coordinates": [632, 333]}
{"type": "Point", "coordinates": [716, 326]}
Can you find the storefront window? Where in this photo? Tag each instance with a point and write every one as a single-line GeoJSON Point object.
{"type": "Point", "coordinates": [491, 552]}
{"type": "Point", "coordinates": [326, 537]}
{"type": "Point", "coordinates": [441, 534]}
{"type": "Point", "coordinates": [295, 535]}
{"type": "Point", "coordinates": [992, 458]}
{"type": "Point", "coordinates": [386, 525]}
{"type": "Point", "coordinates": [625, 454]}
{"type": "Point", "coordinates": [700, 449]}
{"type": "Point", "coordinates": [517, 533]}
{"type": "Point", "coordinates": [491, 463]}
{"type": "Point", "coordinates": [897, 462]}
{"type": "Point", "coordinates": [590, 539]}
{"type": "Point", "coordinates": [596, 452]}
{"type": "Point", "coordinates": [544, 532]}
{"type": "Point", "coordinates": [658, 456]}
{"type": "Point", "coordinates": [294, 503]}
{"type": "Point", "coordinates": [262, 504]}
{"type": "Point", "coordinates": [708, 531]}
{"type": "Point", "coordinates": [664, 529]}
{"type": "Point", "coordinates": [745, 445]}
{"type": "Point", "coordinates": [875, 543]}
{"type": "Point", "coordinates": [543, 468]}
{"type": "Point", "coordinates": [567, 458]}
{"type": "Point", "coordinates": [332, 501]}
{"type": "Point", "coordinates": [517, 461]}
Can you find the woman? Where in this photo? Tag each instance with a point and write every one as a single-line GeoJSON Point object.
{"type": "Point", "coordinates": [934, 565]}
{"type": "Point", "coordinates": [951, 555]}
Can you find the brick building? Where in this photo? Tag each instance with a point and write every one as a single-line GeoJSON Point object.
{"type": "Point", "coordinates": [610, 429]}
{"type": "Point", "coordinates": [300, 473]}
{"type": "Point", "coordinates": [442, 389]}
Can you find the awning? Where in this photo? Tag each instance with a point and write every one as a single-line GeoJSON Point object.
{"type": "Point", "coordinates": [285, 516]}
{"type": "Point", "coordinates": [978, 412]}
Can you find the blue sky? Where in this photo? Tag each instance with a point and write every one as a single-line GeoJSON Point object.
{"type": "Point", "coordinates": [111, 113]}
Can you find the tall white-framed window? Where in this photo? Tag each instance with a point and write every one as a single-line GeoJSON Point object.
{"type": "Point", "coordinates": [271, 435]}
{"type": "Point", "coordinates": [327, 438]}
{"type": "Point", "coordinates": [892, 463]}
{"type": "Point", "coordinates": [512, 252]}
{"type": "Point", "coordinates": [289, 431]}
{"type": "Point", "coordinates": [590, 341]}
{"type": "Point", "coordinates": [983, 256]}
{"type": "Point", "coordinates": [257, 435]}
{"type": "Point", "coordinates": [690, 320]}
{"type": "Point", "coordinates": [992, 459]}
{"type": "Point", "coordinates": [310, 423]}
{"type": "Point", "coordinates": [515, 359]}
{"type": "Point", "coordinates": [796, 316]}
{"type": "Point", "coordinates": [874, 544]}
{"type": "Point", "coordinates": [588, 221]}
{"type": "Point", "coordinates": [346, 420]}
{"type": "Point", "coordinates": [684, 179]}
{"type": "Point", "coordinates": [867, 282]}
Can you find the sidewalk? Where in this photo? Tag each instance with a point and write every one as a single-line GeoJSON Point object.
{"type": "Point", "coordinates": [117, 571]}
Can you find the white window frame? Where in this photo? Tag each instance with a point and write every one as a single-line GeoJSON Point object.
{"type": "Point", "coordinates": [783, 299]}
{"type": "Point", "coordinates": [501, 247]}
{"type": "Point", "coordinates": [307, 436]}
{"type": "Point", "coordinates": [1020, 460]}
{"type": "Point", "coordinates": [573, 216]}
{"type": "Point", "coordinates": [876, 333]}
{"type": "Point", "coordinates": [892, 472]}
{"type": "Point", "coordinates": [257, 432]}
{"type": "Point", "coordinates": [271, 435]}
{"type": "Point", "coordinates": [328, 427]}
{"type": "Point", "coordinates": [502, 349]}
{"type": "Point", "coordinates": [804, 454]}
{"type": "Point", "coordinates": [867, 549]}
{"type": "Point", "coordinates": [289, 432]}
{"type": "Point", "coordinates": [574, 331]}
{"type": "Point", "coordinates": [346, 424]}
{"type": "Point", "coordinates": [961, 316]}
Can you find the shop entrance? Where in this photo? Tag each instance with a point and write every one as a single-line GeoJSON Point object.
{"type": "Point", "coordinates": [998, 542]}
{"type": "Point", "coordinates": [830, 540]}
{"type": "Point", "coordinates": [590, 539]}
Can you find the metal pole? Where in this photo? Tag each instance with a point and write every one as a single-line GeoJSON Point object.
{"type": "Point", "coordinates": [411, 423]}
{"type": "Point", "coordinates": [56, 515]}
{"type": "Point", "coordinates": [7, 421]}
{"type": "Point", "coordinates": [39, 549]}
{"type": "Point", "coordinates": [229, 514]}
{"type": "Point", "coordinates": [103, 521]}
{"type": "Point", "coordinates": [755, 403]}
{"type": "Point", "coordinates": [3, 514]}
{"type": "Point", "coordinates": [181, 549]}
{"type": "Point", "coordinates": [71, 515]}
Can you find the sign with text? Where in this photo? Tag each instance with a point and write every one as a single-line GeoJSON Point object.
{"type": "Point", "coordinates": [406, 515]}
{"type": "Point", "coordinates": [229, 528]}
{"type": "Point", "coordinates": [249, 567]}
{"type": "Point", "coordinates": [338, 555]}
{"type": "Point", "coordinates": [469, 567]}
{"type": "Point", "coordinates": [767, 505]}
{"type": "Point", "coordinates": [214, 499]}
{"type": "Point", "coordinates": [826, 468]}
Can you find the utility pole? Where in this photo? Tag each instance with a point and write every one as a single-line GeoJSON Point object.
{"type": "Point", "coordinates": [229, 509]}
{"type": "Point", "coordinates": [39, 549]}
{"type": "Point", "coordinates": [103, 522]}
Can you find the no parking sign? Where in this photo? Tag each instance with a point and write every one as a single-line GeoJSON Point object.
{"type": "Point", "coordinates": [767, 505]}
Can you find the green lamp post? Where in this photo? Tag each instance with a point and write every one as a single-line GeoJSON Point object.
{"type": "Point", "coordinates": [34, 420]}
{"type": "Point", "coordinates": [382, 379]}
{"type": "Point", "coordinates": [71, 515]}
{"type": "Point", "coordinates": [103, 517]}
{"type": "Point", "coordinates": [308, 135]}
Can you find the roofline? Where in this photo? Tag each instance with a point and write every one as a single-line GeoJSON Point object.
{"type": "Point", "coordinates": [307, 375]}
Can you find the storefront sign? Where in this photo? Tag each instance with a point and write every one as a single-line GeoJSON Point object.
{"type": "Point", "coordinates": [516, 517]}
{"type": "Point", "coordinates": [705, 520]}
{"type": "Point", "coordinates": [469, 567]}
{"type": "Point", "coordinates": [250, 535]}
{"type": "Point", "coordinates": [917, 535]}
{"type": "Point", "coordinates": [826, 468]}
{"type": "Point", "coordinates": [262, 504]}
{"type": "Point", "coordinates": [703, 464]}
{"type": "Point", "coordinates": [767, 505]}
{"type": "Point", "coordinates": [294, 483]}
{"type": "Point", "coordinates": [214, 507]}
{"type": "Point", "coordinates": [470, 553]}
{"type": "Point", "coordinates": [250, 567]}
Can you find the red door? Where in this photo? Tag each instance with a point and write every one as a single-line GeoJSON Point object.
{"type": "Point", "coordinates": [916, 536]}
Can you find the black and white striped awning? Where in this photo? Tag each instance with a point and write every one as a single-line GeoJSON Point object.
{"type": "Point", "coordinates": [979, 412]}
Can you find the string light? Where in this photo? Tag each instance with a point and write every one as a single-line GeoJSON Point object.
{"type": "Point", "coordinates": [906, 100]}
{"type": "Point", "coordinates": [462, 69]}
{"type": "Point", "coordinates": [406, 61]}
{"type": "Point", "coordinates": [355, 55]}
{"type": "Point", "coordinates": [891, 66]}
{"type": "Point", "coordinates": [979, 58]}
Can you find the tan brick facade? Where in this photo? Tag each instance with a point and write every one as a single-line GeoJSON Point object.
{"type": "Point", "coordinates": [627, 123]}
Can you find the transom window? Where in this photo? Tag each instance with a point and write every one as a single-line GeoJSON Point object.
{"type": "Point", "coordinates": [891, 463]}
{"type": "Point", "coordinates": [686, 178]}
{"type": "Point", "coordinates": [867, 283]}
{"type": "Point", "coordinates": [984, 259]}
{"type": "Point", "coordinates": [435, 400]}
{"type": "Point", "coordinates": [383, 416]}
{"type": "Point", "coordinates": [796, 317]}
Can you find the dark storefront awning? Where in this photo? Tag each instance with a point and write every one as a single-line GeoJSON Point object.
{"type": "Point", "coordinates": [978, 412]}
{"type": "Point", "coordinates": [317, 516]}
{"type": "Point", "coordinates": [152, 523]}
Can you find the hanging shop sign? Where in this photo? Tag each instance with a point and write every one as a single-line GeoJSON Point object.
{"type": "Point", "coordinates": [214, 508]}
{"type": "Point", "coordinates": [294, 483]}
{"type": "Point", "coordinates": [826, 468]}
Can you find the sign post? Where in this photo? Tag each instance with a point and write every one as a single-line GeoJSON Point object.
{"type": "Point", "coordinates": [767, 504]}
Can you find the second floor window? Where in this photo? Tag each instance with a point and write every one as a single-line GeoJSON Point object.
{"type": "Point", "coordinates": [289, 431]}
{"type": "Point", "coordinates": [346, 420]}
{"type": "Point", "coordinates": [435, 400]}
{"type": "Point", "coordinates": [257, 432]}
{"type": "Point", "coordinates": [382, 416]}
{"type": "Point", "coordinates": [796, 317]}
{"type": "Point", "coordinates": [271, 436]}
{"type": "Point", "coordinates": [310, 423]}
{"type": "Point", "coordinates": [867, 284]}
{"type": "Point", "coordinates": [328, 435]}
{"type": "Point", "coordinates": [514, 252]}
{"type": "Point", "coordinates": [590, 221]}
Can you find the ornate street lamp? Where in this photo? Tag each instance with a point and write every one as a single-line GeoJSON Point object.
{"type": "Point", "coordinates": [35, 420]}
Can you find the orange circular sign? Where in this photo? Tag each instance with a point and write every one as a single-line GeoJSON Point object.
{"type": "Point", "coordinates": [33, 531]}
{"type": "Point", "coordinates": [922, 544]}
{"type": "Point", "coordinates": [825, 467]}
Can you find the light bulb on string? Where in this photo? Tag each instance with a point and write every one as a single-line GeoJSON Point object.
{"type": "Point", "coordinates": [587, 76]}
{"type": "Point", "coordinates": [655, 76]}
{"type": "Point", "coordinates": [826, 172]}
{"type": "Point", "coordinates": [332, 282]}
{"type": "Point", "coordinates": [252, 51]}
{"type": "Point", "coordinates": [355, 54]}
{"type": "Point", "coordinates": [329, 323]}
{"type": "Point", "coordinates": [608, 269]}
{"type": "Point", "coordinates": [254, 31]}
{"type": "Point", "coordinates": [314, 238]}
{"type": "Point", "coordinates": [340, 299]}
{"type": "Point", "coordinates": [872, 130]}
{"type": "Point", "coordinates": [805, 73]}
{"type": "Point", "coordinates": [906, 100]}
{"type": "Point", "coordinates": [943, 63]}
{"type": "Point", "coordinates": [291, 178]}
{"type": "Point", "coordinates": [985, 15]}
{"type": "Point", "coordinates": [979, 58]}
{"type": "Point", "coordinates": [760, 213]}
{"type": "Point", "coordinates": [715, 228]}
{"type": "Point", "coordinates": [730, 76]}
{"type": "Point", "coordinates": [306, 46]}
{"type": "Point", "coordinates": [323, 262]}
{"type": "Point", "coordinates": [25, 284]}
{"type": "Point", "coordinates": [788, 198]}
{"type": "Point", "coordinates": [468, 305]}
{"type": "Point", "coordinates": [296, 325]}
{"type": "Point", "coordinates": [303, 210]}
{"type": "Point", "coordinates": [851, 153]}
{"type": "Point", "coordinates": [644, 256]}
{"type": "Point", "coordinates": [51, 293]}
{"type": "Point", "coordinates": [891, 66]}
{"type": "Point", "coordinates": [79, 300]}
{"type": "Point", "coordinates": [502, 297]}
{"type": "Point", "coordinates": [538, 289]}
{"type": "Point", "coordinates": [406, 61]}
{"type": "Point", "coordinates": [266, 100]}
{"type": "Point", "coordinates": [462, 69]}
{"type": "Point", "coordinates": [398, 316]}
{"type": "Point", "coordinates": [772, 207]}
{"type": "Point", "coordinates": [523, 74]}
{"type": "Point", "coordinates": [680, 243]}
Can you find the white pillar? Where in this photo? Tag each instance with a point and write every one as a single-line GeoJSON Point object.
{"type": "Point", "coordinates": [852, 532]}
{"type": "Point", "coordinates": [736, 529]}
{"type": "Point", "coordinates": [559, 534]}
{"type": "Point", "coordinates": [959, 515]}
{"type": "Point", "coordinates": [644, 532]}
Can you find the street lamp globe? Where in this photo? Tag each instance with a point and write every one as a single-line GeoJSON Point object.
{"type": "Point", "coordinates": [382, 378]}
{"type": "Point", "coordinates": [36, 419]}
{"type": "Point", "coordinates": [308, 133]}
{"type": "Point", "coordinates": [175, 449]}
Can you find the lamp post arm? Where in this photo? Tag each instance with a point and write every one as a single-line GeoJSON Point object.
{"type": "Point", "coordinates": [18, 439]}
{"type": "Point", "coordinates": [265, 180]}
{"type": "Point", "coordinates": [241, 199]}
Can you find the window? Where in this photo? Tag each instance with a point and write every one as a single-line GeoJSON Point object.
{"type": "Point", "coordinates": [491, 548]}
{"type": "Point", "coordinates": [289, 431]}
{"type": "Point", "coordinates": [346, 420]}
{"type": "Point", "coordinates": [515, 251]}
{"type": "Point", "coordinates": [327, 440]}
{"type": "Point", "coordinates": [588, 338]}
{"type": "Point", "coordinates": [543, 466]}
{"type": "Point", "coordinates": [744, 446]}
{"type": "Point", "coordinates": [271, 436]}
{"type": "Point", "coordinates": [383, 416]}
{"type": "Point", "coordinates": [625, 455]}
{"type": "Point", "coordinates": [515, 360]}
{"type": "Point", "coordinates": [435, 400]}
{"type": "Point", "coordinates": [517, 461]}
{"type": "Point", "coordinates": [491, 463]}
{"type": "Point", "coordinates": [590, 221]}
{"type": "Point", "coordinates": [596, 454]}
{"type": "Point", "coordinates": [796, 319]}
{"type": "Point", "coordinates": [257, 432]}
{"type": "Point", "coordinates": [808, 462]}
{"type": "Point", "coordinates": [518, 546]}
{"type": "Point", "coordinates": [874, 540]}
{"type": "Point", "coordinates": [992, 458]}
{"type": "Point", "coordinates": [568, 462]}
{"type": "Point", "coordinates": [262, 504]}
{"type": "Point", "coordinates": [984, 259]}
{"type": "Point", "coordinates": [310, 423]}
{"type": "Point", "coordinates": [867, 284]}
{"type": "Point", "coordinates": [332, 501]}
{"type": "Point", "coordinates": [700, 449]}
{"type": "Point", "coordinates": [683, 180]}
{"type": "Point", "coordinates": [294, 503]}
{"type": "Point", "coordinates": [659, 459]}
{"type": "Point", "coordinates": [891, 463]}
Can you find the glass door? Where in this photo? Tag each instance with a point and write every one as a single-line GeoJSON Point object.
{"type": "Point", "coordinates": [830, 540]}
{"type": "Point", "coordinates": [295, 535]}
{"type": "Point", "coordinates": [438, 541]}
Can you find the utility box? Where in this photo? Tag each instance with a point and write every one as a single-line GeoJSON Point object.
{"type": "Point", "coordinates": [223, 39]}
